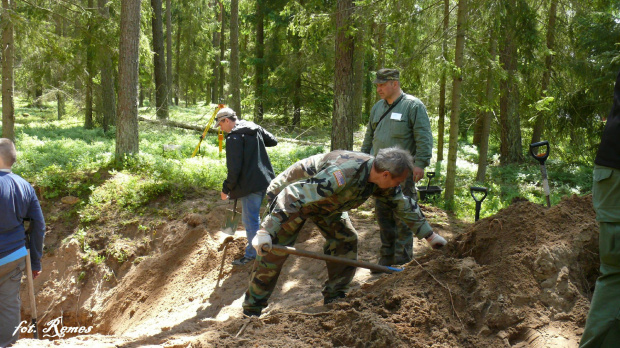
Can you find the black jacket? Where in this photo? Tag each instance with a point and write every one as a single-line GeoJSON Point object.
{"type": "Point", "coordinates": [609, 151]}
{"type": "Point", "coordinates": [249, 168]}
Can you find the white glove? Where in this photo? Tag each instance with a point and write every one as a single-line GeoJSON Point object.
{"type": "Point", "coordinates": [436, 241]}
{"type": "Point", "coordinates": [261, 239]}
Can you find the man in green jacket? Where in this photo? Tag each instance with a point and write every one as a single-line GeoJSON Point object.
{"type": "Point", "coordinates": [323, 188]}
{"type": "Point", "coordinates": [398, 119]}
{"type": "Point", "coordinates": [603, 324]}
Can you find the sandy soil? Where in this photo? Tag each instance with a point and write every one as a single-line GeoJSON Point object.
{"type": "Point", "coordinates": [521, 278]}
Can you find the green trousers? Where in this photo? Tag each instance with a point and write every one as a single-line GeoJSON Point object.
{"type": "Point", "coordinates": [340, 240]}
{"type": "Point", "coordinates": [603, 323]}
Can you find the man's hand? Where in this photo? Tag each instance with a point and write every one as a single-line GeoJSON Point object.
{"type": "Point", "coordinates": [436, 241]}
{"type": "Point", "coordinates": [262, 238]}
{"type": "Point", "coordinates": [418, 174]}
{"type": "Point", "coordinates": [223, 195]}
{"type": "Point", "coordinates": [35, 274]}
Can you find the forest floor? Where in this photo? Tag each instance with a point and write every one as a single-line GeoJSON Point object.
{"type": "Point", "coordinates": [520, 278]}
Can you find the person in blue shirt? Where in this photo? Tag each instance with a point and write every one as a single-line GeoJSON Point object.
{"type": "Point", "coordinates": [18, 201]}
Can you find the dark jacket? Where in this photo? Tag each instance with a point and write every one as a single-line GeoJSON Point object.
{"type": "Point", "coordinates": [249, 168]}
{"type": "Point", "coordinates": [609, 151]}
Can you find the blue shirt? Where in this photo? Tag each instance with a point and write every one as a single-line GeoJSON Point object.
{"type": "Point", "coordinates": [17, 202]}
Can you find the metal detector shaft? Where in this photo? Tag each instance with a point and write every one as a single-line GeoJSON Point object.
{"type": "Point", "coordinates": [33, 302]}
{"type": "Point", "coordinates": [354, 263]}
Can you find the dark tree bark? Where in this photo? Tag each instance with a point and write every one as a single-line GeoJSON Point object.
{"type": "Point", "coordinates": [177, 75]}
{"type": "Point", "coordinates": [169, 50]}
{"type": "Point", "coordinates": [222, 54]}
{"type": "Point", "coordinates": [108, 94]}
{"type": "Point", "coordinates": [159, 61]}
{"type": "Point", "coordinates": [540, 119]}
{"type": "Point", "coordinates": [90, 71]}
{"type": "Point", "coordinates": [215, 96]}
{"type": "Point", "coordinates": [483, 150]}
{"type": "Point", "coordinates": [342, 132]}
{"type": "Point", "coordinates": [8, 49]}
{"type": "Point", "coordinates": [441, 124]}
{"type": "Point", "coordinates": [259, 78]}
{"type": "Point", "coordinates": [296, 43]}
{"type": "Point", "coordinates": [235, 78]}
{"type": "Point", "coordinates": [456, 103]}
{"type": "Point", "coordinates": [510, 147]}
{"type": "Point", "coordinates": [127, 139]}
{"type": "Point", "coordinates": [358, 77]}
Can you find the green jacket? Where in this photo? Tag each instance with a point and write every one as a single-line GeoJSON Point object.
{"type": "Point", "coordinates": [328, 185]}
{"type": "Point", "coordinates": [406, 126]}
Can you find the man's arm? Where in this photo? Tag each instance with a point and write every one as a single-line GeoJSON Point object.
{"type": "Point", "coordinates": [37, 232]}
{"type": "Point", "coordinates": [268, 138]}
{"type": "Point", "coordinates": [423, 136]}
{"type": "Point", "coordinates": [301, 197]}
{"type": "Point", "coordinates": [302, 169]}
{"type": "Point", "coordinates": [234, 162]}
{"type": "Point", "coordinates": [408, 211]}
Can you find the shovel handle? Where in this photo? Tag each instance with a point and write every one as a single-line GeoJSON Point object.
{"type": "Point", "coordinates": [542, 157]}
{"type": "Point", "coordinates": [330, 258]}
{"type": "Point", "coordinates": [429, 175]}
{"type": "Point", "coordinates": [478, 189]}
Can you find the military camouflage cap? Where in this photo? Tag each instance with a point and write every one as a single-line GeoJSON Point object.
{"type": "Point", "coordinates": [385, 75]}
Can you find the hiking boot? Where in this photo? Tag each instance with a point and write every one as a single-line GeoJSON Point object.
{"type": "Point", "coordinates": [328, 300]}
{"type": "Point", "coordinates": [384, 261]}
{"type": "Point", "coordinates": [251, 313]}
{"type": "Point", "coordinates": [242, 261]}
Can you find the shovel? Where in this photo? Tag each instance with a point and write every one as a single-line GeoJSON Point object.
{"type": "Point", "coordinates": [33, 302]}
{"type": "Point", "coordinates": [231, 223]}
{"type": "Point", "coordinates": [227, 233]}
{"type": "Point", "coordinates": [478, 201]}
{"type": "Point", "coordinates": [542, 157]}
{"type": "Point", "coordinates": [330, 258]}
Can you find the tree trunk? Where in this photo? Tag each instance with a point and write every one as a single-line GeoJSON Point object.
{"type": "Point", "coordinates": [108, 94]}
{"type": "Point", "coordinates": [8, 49]}
{"type": "Point", "coordinates": [177, 76]}
{"type": "Point", "coordinates": [235, 78]}
{"type": "Point", "coordinates": [342, 132]}
{"type": "Point", "coordinates": [510, 148]}
{"type": "Point", "coordinates": [215, 97]}
{"type": "Point", "coordinates": [90, 71]}
{"type": "Point", "coordinates": [297, 93]}
{"type": "Point", "coordinates": [259, 78]}
{"type": "Point", "coordinates": [483, 150]}
{"type": "Point", "coordinates": [159, 61]}
{"type": "Point", "coordinates": [222, 55]}
{"type": "Point", "coordinates": [59, 73]}
{"type": "Point", "coordinates": [456, 104]}
{"type": "Point", "coordinates": [441, 125]}
{"type": "Point", "coordinates": [540, 119]}
{"type": "Point", "coordinates": [169, 50]}
{"type": "Point", "coordinates": [358, 77]}
{"type": "Point", "coordinates": [127, 138]}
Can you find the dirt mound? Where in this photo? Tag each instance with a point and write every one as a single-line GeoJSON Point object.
{"type": "Point", "coordinates": [521, 278]}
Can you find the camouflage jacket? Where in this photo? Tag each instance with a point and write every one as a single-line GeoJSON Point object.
{"type": "Point", "coordinates": [329, 184]}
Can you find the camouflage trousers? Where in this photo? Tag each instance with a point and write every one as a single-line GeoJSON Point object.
{"type": "Point", "coordinates": [340, 240]}
{"type": "Point", "coordinates": [396, 237]}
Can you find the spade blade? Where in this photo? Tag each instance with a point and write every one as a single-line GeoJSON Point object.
{"type": "Point", "coordinates": [232, 220]}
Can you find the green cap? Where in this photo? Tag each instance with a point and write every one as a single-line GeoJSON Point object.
{"type": "Point", "coordinates": [385, 75]}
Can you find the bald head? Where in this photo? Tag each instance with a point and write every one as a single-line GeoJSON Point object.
{"type": "Point", "coordinates": [8, 154]}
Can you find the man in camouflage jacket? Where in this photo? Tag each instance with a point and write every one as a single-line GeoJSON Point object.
{"type": "Point", "coordinates": [323, 188]}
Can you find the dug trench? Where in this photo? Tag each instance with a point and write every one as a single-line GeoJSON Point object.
{"type": "Point", "coordinates": [520, 278]}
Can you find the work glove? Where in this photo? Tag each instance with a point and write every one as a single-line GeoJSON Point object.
{"type": "Point", "coordinates": [262, 238]}
{"type": "Point", "coordinates": [436, 241]}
